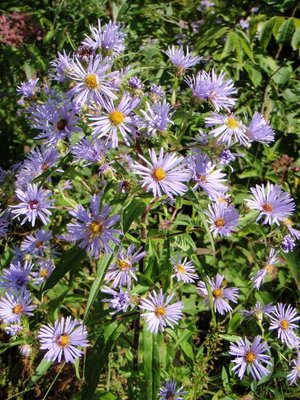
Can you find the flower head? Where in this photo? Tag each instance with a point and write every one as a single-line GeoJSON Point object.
{"type": "Point", "coordinates": [14, 305]}
{"type": "Point", "coordinates": [16, 276]}
{"type": "Point", "coordinates": [28, 89]}
{"type": "Point", "coordinates": [183, 270]}
{"type": "Point", "coordinates": [259, 130]}
{"type": "Point", "coordinates": [269, 269]}
{"type": "Point", "coordinates": [46, 267]}
{"type": "Point", "coordinates": [258, 311]}
{"type": "Point", "coordinates": [229, 129]}
{"type": "Point", "coordinates": [120, 300]}
{"type": "Point", "coordinates": [157, 117]}
{"type": "Point", "coordinates": [169, 391]}
{"type": "Point", "coordinates": [223, 219]}
{"type": "Point", "coordinates": [180, 60]}
{"type": "Point", "coordinates": [294, 375]}
{"type": "Point", "coordinates": [287, 244]}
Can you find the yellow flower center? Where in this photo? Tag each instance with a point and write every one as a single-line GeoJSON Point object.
{"type": "Point", "coordinates": [284, 324]}
{"type": "Point", "coordinates": [232, 123]}
{"type": "Point", "coordinates": [96, 228]}
{"type": "Point", "coordinates": [250, 357]}
{"type": "Point", "coordinates": [159, 174]}
{"type": "Point", "coordinates": [287, 222]}
{"type": "Point", "coordinates": [180, 268]}
{"type": "Point", "coordinates": [116, 117]}
{"type": "Point", "coordinates": [270, 269]}
{"type": "Point", "coordinates": [160, 311]}
{"type": "Point", "coordinates": [18, 309]}
{"type": "Point", "coordinates": [267, 207]}
{"type": "Point", "coordinates": [220, 222]}
{"type": "Point", "coordinates": [217, 292]}
{"type": "Point", "coordinates": [91, 81]}
{"type": "Point", "coordinates": [43, 272]}
{"type": "Point", "coordinates": [123, 264]}
{"type": "Point", "coordinates": [64, 340]}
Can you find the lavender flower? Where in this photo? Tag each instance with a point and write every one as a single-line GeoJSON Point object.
{"type": "Point", "coordinates": [123, 271]}
{"type": "Point", "coordinates": [243, 23]}
{"type": "Point", "coordinates": [120, 300]}
{"type": "Point", "coordinates": [62, 340]}
{"type": "Point", "coordinates": [272, 203]}
{"type": "Point", "coordinates": [230, 129]}
{"type": "Point", "coordinates": [283, 318]}
{"type": "Point", "coordinates": [164, 174]}
{"type": "Point", "coordinates": [46, 267]}
{"type": "Point", "coordinates": [159, 313]}
{"type": "Point", "coordinates": [28, 89]}
{"type": "Point", "coordinates": [226, 157]}
{"type": "Point", "coordinates": [156, 92]}
{"type": "Point", "coordinates": [92, 152]}
{"type": "Point", "coordinates": [213, 88]}
{"type": "Point", "coordinates": [16, 276]}
{"type": "Point", "coordinates": [170, 392]}
{"type": "Point", "coordinates": [34, 203]}
{"type": "Point", "coordinates": [38, 243]}
{"type": "Point", "coordinates": [135, 83]}
{"type": "Point", "coordinates": [157, 117]}
{"type": "Point", "coordinates": [220, 294]}
{"type": "Point", "coordinates": [180, 60]}
{"type": "Point", "coordinates": [61, 66]}
{"type": "Point", "coordinates": [294, 375]}
{"type": "Point", "coordinates": [222, 218]}
{"type": "Point", "coordinates": [184, 270]}
{"type": "Point", "coordinates": [14, 305]}
{"type": "Point", "coordinates": [269, 269]}
{"type": "Point", "coordinates": [288, 223]}
{"type": "Point", "coordinates": [250, 358]}
{"type": "Point", "coordinates": [25, 350]}
{"type": "Point", "coordinates": [93, 229]}
{"type": "Point", "coordinates": [259, 130]}
{"type": "Point", "coordinates": [13, 329]}
{"type": "Point", "coordinates": [258, 311]}
{"type": "Point", "coordinates": [287, 244]}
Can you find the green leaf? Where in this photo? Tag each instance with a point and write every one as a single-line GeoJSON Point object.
{"type": "Point", "coordinates": [69, 260]}
{"type": "Point", "coordinates": [286, 31]}
{"type": "Point", "coordinates": [296, 39]}
{"type": "Point", "coordinates": [148, 346]}
{"type": "Point", "coordinates": [41, 369]}
{"type": "Point", "coordinates": [254, 74]}
{"type": "Point", "coordinates": [238, 47]}
{"type": "Point", "coordinates": [229, 45]}
{"type": "Point", "coordinates": [131, 213]}
{"type": "Point", "coordinates": [294, 266]}
{"type": "Point", "coordinates": [266, 32]}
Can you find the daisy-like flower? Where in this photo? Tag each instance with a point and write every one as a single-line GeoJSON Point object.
{"type": "Point", "coordinates": [91, 82]}
{"type": "Point", "coordinates": [157, 117]}
{"type": "Point", "coordinates": [38, 243]}
{"type": "Point", "coordinates": [120, 300]}
{"type": "Point", "coordinates": [272, 202]}
{"type": "Point", "coordinates": [206, 175]}
{"type": "Point", "coordinates": [258, 311]}
{"type": "Point", "coordinates": [156, 92]}
{"type": "Point", "coordinates": [28, 89]}
{"type": "Point", "coordinates": [220, 294]}
{"type": "Point", "coordinates": [34, 203]}
{"type": "Point", "coordinates": [229, 129]}
{"type": "Point", "coordinates": [14, 305]}
{"type": "Point", "coordinates": [110, 39]}
{"type": "Point", "coordinates": [259, 130]}
{"type": "Point", "coordinates": [46, 267]}
{"type": "Point", "coordinates": [16, 276]}
{"type": "Point", "coordinates": [268, 270]}
{"type": "Point", "coordinates": [250, 358]}
{"type": "Point", "coordinates": [213, 88]}
{"type": "Point", "coordinates": [169, 391]}
{"type": "Point", "coordinates": [164, 174]}
{"type": "Point", "coordinates": [116, 119]}
{"type": "Point", "coordinates": [181, 60]}
{"type": "Point", "coordinates": [294, 375]}
{"type": "Point", "coordinates": [61, 66]}
{"type": "Point", "coordinates": [93, 228]}
{"type": "Point", "coordinates": [123, 271]}
{"type": "Point", "coordinates": [184, 270]}
{"type": "Point", "coordinates": [223, 219]}
{"type": "Point", "coordinates": [283, 318]}
{"type": "Point", "coordinates": [90, 151]}
{"type": "Point", "coordinates": [63, 339]}
{"type": "Point", "coordinates": [159, 313]}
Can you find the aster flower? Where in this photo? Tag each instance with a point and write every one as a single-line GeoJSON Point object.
{"type": "Point", "coordinates": [229, 130]}
{"type": "Point", "coordinates": [287, 244]}
{"type": "Point", "coordinates": [157, 117]}
{"type": "Point", "coordinates": [272, 202]}
{"type": "Point", "coordinates": [213, 88]}
{"type": "Point", "coordinates": [164, 174]}
{"type": "Point", "coordinates": [288, 223]}
{"type": "Point", "coordinates": [258, 311]}
{"type": "Point", "coordinates": [13, 329]}
{"type": "Point", "coordinates": [110, 39]}
{"type": "Point", "coordinates": [63, 339]}
{"type": "Point", "coordinates": [226, 157]}
{"type": "Point", "coordinates": [16, 276]}
{"type": "Point", "coordinates": [181, 60]}
{"type": "Point", "coordinates": [223, 219]}
{"type": "Point", "coordinates": [46, 267]}
{"type": "Point", "coordinates": [90, 151]}
{"type": "Point", "coordinates": [243, 23]}
{"type": "Point", "coordinates": [259, 130]}
{"type": "Point", "coordinates": [28, 89]}
{"type": "Point", "coordinates": [91, 83]}
{"type": "Point", "coordinates": [135, 83]}
{"type": "Point", "coordinates": [282, 319]}
{"type": "Point", "coordinates": [116, 119]}
{"type": "Point", "coordinates": [61, 66]}
{"type": "Point", "coordinates": [206, 176]}
{"type": "Point", "coordinates": [120, 300]}
{"type": "Point", "coordinates": [269, 269]}
{"type": "Point", "coordinates": [159, 313]}
{"type": "Point", "coordinates": [294, 375]}
{"type": "Point", "coordinates": [14, 305]}
{"type": "Point", "coordinates": [123, 271]}
{"type": "Point", "coordinates": [169, 391]}
{"type": "Point", "coordinates": [184, 270]}
{"type": "Point", "coordinates": [250, 358]}
{"type": "Point", "coordinates": [38, 243]}
{"type": "Point", "coordinates": [93, 228]}
{"type": "Point", "coordinates": [156, 92]}
{"type": "Point", "coordinates": [34, 203]}
{"type": "Point", "coordinates": [220, 294]}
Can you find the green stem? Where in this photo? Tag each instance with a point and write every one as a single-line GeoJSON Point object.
{"type": "Point", "coordinates": [54, 380]}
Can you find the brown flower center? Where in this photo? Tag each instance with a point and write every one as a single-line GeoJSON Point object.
{"type": "Point", "coordinates": [160, 311]}
{"type": "Point", "coordinates": [159, 174]}
{"type": "Point", "coordinates": [91, 81]}
{"type": "Point", "coordinates": [61, 124]}
{"type": "Point", "coordinates": [267, 207]}
{"type": "Point", "coordinates": [250, 357]}
{"type": "Point", "coordinates": [116, 117]}
{"type": "Point", "coordinates": [284, 324]}
{"type": "Point", "coordinates": [220, 222]}
{"type": "Point", "coordinates": [38, 244]}
{"type": "Point", "coordinates": [33, 204]}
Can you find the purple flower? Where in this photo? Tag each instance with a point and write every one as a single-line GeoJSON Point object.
{"type": "Point", "coordinates": [62, 340]}
{"type": "Point", "coordinates": [157, 117]}
{"type": "Point", "coordinates": [164, 174]}
{"type": "Point", "coordinates": [283, 318]}
{"type": "Point", "coordinates": [13, 329]}
{"type": "Point", "coordinates": [14, 305]}
{"type": "Point", "coordinates": [159, 313]}
{"type": "Point", "coordinates": [116, 119]}
{"type": "Point", "coordinates": [243, 23]}
{"type": "Point", "coordinates": [25, 350]}
{"type": "Point", "coordinates": [222, 218]}
{"type": "Point", "coordinates": [180, 60]}
{"type": "Point", "coordinates": [91, 151]}
{"type": "Point", "coordinates": [250, 358]}
{"type": "Point", "coordinates": [38, 243]}
{"type": "Point", "coordinates": [289, 225]}
{"type": "Point", "coordinates": [294, 375]}
{"type": "Point", "coordinates": [4, 223]}
{"type": "Point", "coordinates": [120, 300]}
{"type": "Point", "coordinates": [230, 129]}
{"type": "Point", "coordinates": [269, 269]}
{"type": "Point", "coordinates": [213, 88]}
{"type": "Point", "coordinates": [259, 130]}
{"type": "Point", "coordinates": [287, 244]}
{"type": "Point", "coordinates": [207, 4]}
{"type": "Point", "coordinates": [16, 276]}
{"type": "Point", "coordinates": [156, 92]}
{"type": "Point", "coordinates": [220, 294]}
{"type": "Point", "coordinates": [226, 157]}
{"type": "Point", "coordinates": [170, 392]}
{"type": "Point", "coordinates": [123, 271]}
{"type": "Point", "coordinates": [135, 83]}
{"type": "Point", "coordinates": [93, 228]}
{"type": "Point", "coordinates": [34, 203]}
{"type": "Point", "coordinates": [46, 267]}
{"type": "Point", "coordinates": [258, 311]}
{"type": "Point", "coordinates": [28, 89]}
{"type": "Point", "coordinates": [272, 202]}
{"type": "Point", "coordinates": [61, 66]}
{"type": "Point", "coordinates": [184, 270]}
